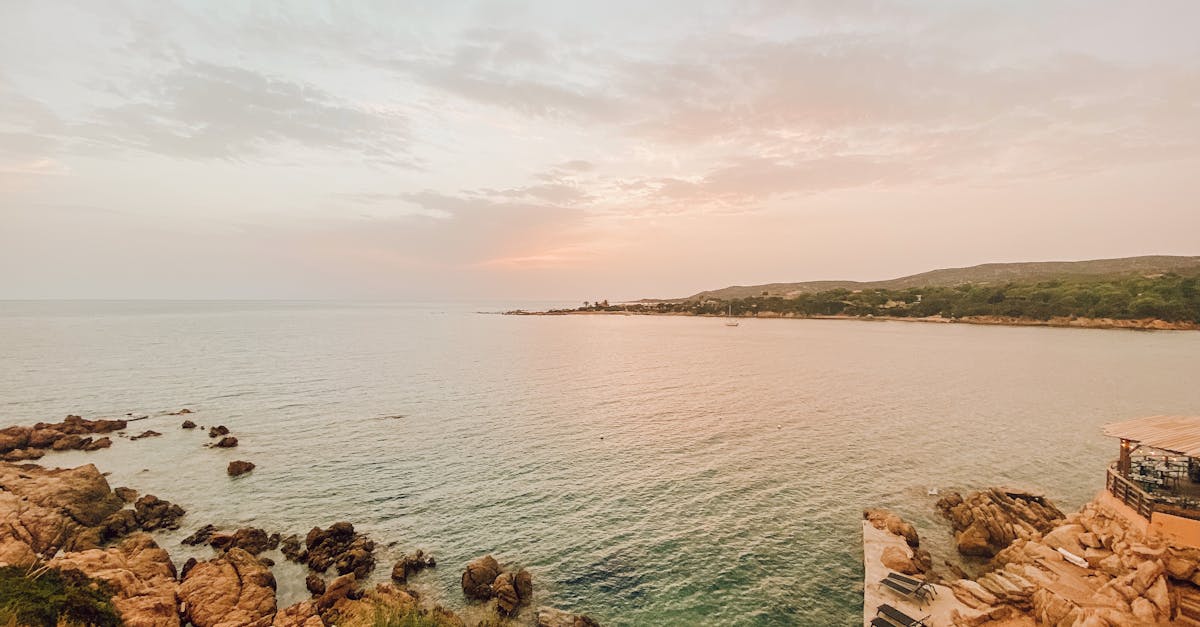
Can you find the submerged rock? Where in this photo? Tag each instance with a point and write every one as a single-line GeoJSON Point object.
{"type": "Point", "coordinates": [551, 617]}
{"type": "Point", "coordinates": [411, 564]}
{"type": "Point", "coordinates": [227, 442]}
{"type": "Point", "coordinates": [201, 536]}
{"type": "Point", "coordinates": [187, 424]}
{"type": "Point", "coordinates": [218, 431]}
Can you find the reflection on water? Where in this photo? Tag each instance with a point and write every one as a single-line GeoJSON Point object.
{"type": "Point", "coordinates": [648, 470]}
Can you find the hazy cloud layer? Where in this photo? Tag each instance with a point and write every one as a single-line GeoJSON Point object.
{"type": "Point", "coordinates": [521, 148]}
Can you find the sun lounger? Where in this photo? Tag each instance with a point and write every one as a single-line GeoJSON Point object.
{"type": "Point", "coordinates": [896, 617]}
{"type": "Point", "coordinates": [912, 589]}
{"type": "Point", "coordinates": [905, 590]}
{"type": "Point", "coordinates": [919, 583]}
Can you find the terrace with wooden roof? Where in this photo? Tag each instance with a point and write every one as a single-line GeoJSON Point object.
{"type": "Point", "coordinates": [1158, 471]}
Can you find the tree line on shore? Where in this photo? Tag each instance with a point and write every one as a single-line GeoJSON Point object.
{"type": "Point", "coordinates": [1170, 297]}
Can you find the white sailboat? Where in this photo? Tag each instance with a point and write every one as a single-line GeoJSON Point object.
{"type": "Point", "coordinates": [730, 321]}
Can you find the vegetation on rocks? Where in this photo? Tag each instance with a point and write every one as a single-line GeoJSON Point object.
{"type": "Point", "coordinates": [52, 597]}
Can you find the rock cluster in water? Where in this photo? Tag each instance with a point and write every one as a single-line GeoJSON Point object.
{"type": "Point", "coordinates": [70, 519]}
{"type": "Point", "coordinates": [28, 443]}
{"type": "Point", "coordinates": [484, 579]}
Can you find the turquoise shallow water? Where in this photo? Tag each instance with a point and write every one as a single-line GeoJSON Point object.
{"type": "Point", "coordinates": [648, 470]}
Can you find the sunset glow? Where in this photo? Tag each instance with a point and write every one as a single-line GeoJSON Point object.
{"type": "Point", "coordinates": [561, 150]}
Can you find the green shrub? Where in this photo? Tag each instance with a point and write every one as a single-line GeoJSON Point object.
{"type": "Point", "coordinates": [51, 597]}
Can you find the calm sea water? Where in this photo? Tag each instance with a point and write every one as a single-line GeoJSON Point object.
{"type": "Point", "coordinates": [648, 470]}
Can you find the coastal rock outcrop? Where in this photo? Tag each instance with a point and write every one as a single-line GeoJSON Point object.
{"type": "Point", "coordinates": [217, 431]}
{"type": "Point", "coordinates": [1124, 575]}
{"type": "Point", "coordinates": [910, 561]}
{"type": "Point", "coordinates": [986, 522]}
{"type": "Point", "coordinates": [98, 444]}
{"type": "Point", "coordinates": [187, 424]}
{"type": "Point", "coordinates": [484, 579]}
{"type": "Point", "coordinates": [341, 587]}
{"type": "Point", "coordinates": [155, 513]}
{"type": "Point", "coordinates": [22, 455]}
{"type": "Point", "coordinates": [43, 438]}
{"type": "Point", "coordinates": [227, 442]}
{"type": "Point", "coordinates": [293, 549]}
{"type": "Point", "coordinates": [70, 442]}
{"type": "Point", "coordinates": [44, 510]}
{"type": "Point", "coordinates": [13, 438]}
{"type": "Point", "coordinates": [235, 589]}
{"type": "Point", "coordinates": [303, 614]}
{"type": "Point", "coordinates": [19, 443]}
{"type": "Point", "coordinates": [314, 584]}
{"type": "Point", "coordinates": [140, 574]}
{"type": "Point", "coordinates": [249, 539]}
{"type": "Point", "coordinates": [341, 548]}
{"type": "Point", "coordinates": [884, 519]}
{"type": "Point", "coordinates": [477, 578]}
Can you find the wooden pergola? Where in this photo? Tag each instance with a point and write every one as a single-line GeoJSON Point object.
{"type": "Point", "coordinates": [1173, 436]}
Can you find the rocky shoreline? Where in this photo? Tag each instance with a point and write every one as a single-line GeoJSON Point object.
{"type": "Point", "coordinates": [71, 521]}
{"type": "Point", "coordinates": [1097, 567]}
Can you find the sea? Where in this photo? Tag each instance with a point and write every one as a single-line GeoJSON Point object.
{"type": "Point", "coordinates": [647, 470]}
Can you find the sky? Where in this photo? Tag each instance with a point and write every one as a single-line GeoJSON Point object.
{"type": "Point", "coordinates": [583, 150]}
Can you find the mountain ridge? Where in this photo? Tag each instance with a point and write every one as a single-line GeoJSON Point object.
{"type": "Point", "coordinates": [987, 273]}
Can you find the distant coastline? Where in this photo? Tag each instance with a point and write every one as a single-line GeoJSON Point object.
{"type": "Point", "coordinates": [1146, 324]}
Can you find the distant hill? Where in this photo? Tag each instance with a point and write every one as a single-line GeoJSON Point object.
{"type": "Point", "coordinates": [988, 273]}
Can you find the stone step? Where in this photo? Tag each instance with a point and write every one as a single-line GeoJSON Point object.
{"type": "Point", "coordinates": [1186, 620]}
{"type": "Point", "coordinates": [1189, 607]}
